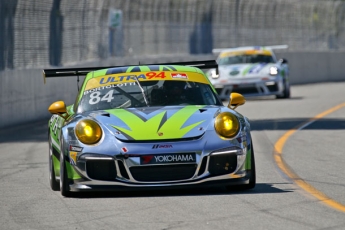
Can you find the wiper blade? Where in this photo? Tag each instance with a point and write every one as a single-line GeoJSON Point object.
{"type": "Point", "coordinates": [142, 91]}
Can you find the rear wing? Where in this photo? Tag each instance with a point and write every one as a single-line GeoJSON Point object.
{"type": "Point", "coordinates": [218, 50]}
{"type": "Point", "coordinates": [70, 72]}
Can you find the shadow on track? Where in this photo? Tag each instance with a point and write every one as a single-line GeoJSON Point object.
{"type": "Point", "coordinates": [287, 124]}
{"type": "Point", "coordinates": [260, 188]}
{"type": "Point", "coordinates": [31, 132]}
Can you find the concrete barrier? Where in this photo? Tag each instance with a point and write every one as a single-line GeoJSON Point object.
{"type": "Point", "coordinates": [313, 67]}
{"type": "Point", "coordinates": [25, 98]}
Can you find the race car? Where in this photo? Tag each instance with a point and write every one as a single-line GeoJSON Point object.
{"type": "Point", "coordinates": [252, 71]}
{"type": "Point", "coordinates": [156, 126]}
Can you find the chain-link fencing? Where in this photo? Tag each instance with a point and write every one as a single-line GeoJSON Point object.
{"type": "Point", "coordinates": [35, 33]}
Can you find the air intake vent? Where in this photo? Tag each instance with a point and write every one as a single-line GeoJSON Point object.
{"type": "Point", "coordinates": [101, 170]}
{"type": "Point", "coordinates": [163, 172]}
{"type": "Point", "coordinates": [123, 170]}
{"type": "Point", "coordinates": [221, 164]}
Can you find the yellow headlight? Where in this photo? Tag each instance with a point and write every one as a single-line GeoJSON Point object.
{"type": "Point", "coordinates": [227, 125]}
{"type": "Point", "coordinates": [88, 131]}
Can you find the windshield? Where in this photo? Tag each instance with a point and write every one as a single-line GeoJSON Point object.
{"type": "Point", "coordinates": [257, 58]}
{"type": "Point", "coordinates": [148, 93]}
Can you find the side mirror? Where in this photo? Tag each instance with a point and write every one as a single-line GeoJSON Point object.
{"type": "Point", "coordinates": [236, 100]}
{"type": "Point", "coordinates": [283, 61]}
{"type": "Point", "coordinates": [58, 108]}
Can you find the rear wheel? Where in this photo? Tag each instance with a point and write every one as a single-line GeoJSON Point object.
{"type": "Point", "coordinates": [64, 182]}
{"type": "Point", "coordinates": [54, 184]}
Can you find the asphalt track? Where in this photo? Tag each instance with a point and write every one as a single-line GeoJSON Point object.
{"type": "Point", "coordinates": [299, 146]}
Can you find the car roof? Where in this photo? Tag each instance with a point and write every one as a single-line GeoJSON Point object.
{"type": "Point", "coordinates": [246, 50]}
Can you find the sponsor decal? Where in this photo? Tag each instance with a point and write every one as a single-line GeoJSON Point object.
{"type": "Point", "coordinates": [168, 158]}
{"type": "Point", "coordinates": [162, 146]}
{"type": "Point", "coordinates": [122, 78]}
{"type": "Point", "coordinates": [55, 124]}
{"type": "Point", "coordinates": [257, 68]}
{"type": "Point", "coordinates": [108, 87]}
{"type": "Point", "coordinates": [75, 148]}
{"type": "Point", "coordinates": [73, 158]}
{"type": "Point", "coordinates": [146, 76]}
{"type": "Point", "coordinates": [234, 72]}
{"type": "Point", "coordinates": [124, 149]}
{"type": "Point", "coordinates": [179, 75]}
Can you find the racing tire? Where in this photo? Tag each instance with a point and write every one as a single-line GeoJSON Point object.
{"type": "Point", "coordinates": [54, 184]}
{"type": "Point", "coordinates": [286, 91]}
{"type": "Point", "coordinates": [252, 178]}
{"type": "Point", "coordinates": [64, 181]}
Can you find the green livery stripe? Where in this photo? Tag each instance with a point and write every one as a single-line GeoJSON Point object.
{"type": "Point", "coordinates": [71, 173]}
{"type": "Point", "coordinates": [129, 69]}
{"type": "Point", "coordinates": [56, 164]}
{"type": "Point", "coordinates": [149, 129]}
{"type": "Point", "coordinates": [248, 164]}
{"type": "Point", "coordinates": [145, 69]}
{"type": "Point", "coordinates": [246, 70]}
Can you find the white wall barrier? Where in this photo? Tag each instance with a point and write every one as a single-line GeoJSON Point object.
{"type": "Point", "coordinates": [25, 98]}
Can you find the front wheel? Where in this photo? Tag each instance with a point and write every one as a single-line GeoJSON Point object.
{"type": "Point", "coordinates": [64, 185]}
{"type": "Point", "coordinates": [54, 184]}
{"type": "Point", "coordinates": [286, 91]}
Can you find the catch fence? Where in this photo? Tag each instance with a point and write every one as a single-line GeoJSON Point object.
{"type": "Point", "coordinates": [35, 33]}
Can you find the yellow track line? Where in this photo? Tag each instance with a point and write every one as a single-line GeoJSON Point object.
{"type": "Point", "coordinates": [278, 151]}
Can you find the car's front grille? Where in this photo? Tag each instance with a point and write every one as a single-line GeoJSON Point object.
{"type": "Point", "coordinates": [248, 90]}
{"type": "Point", "coordinates": [154, 173]}
{"type": "Point", "coordinates": [221, 164]}
{"type": "Point", "coordinates": [101, 170]}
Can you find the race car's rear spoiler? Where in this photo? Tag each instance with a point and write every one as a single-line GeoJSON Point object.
{"type": "Point", "coordinates": [69, 72]}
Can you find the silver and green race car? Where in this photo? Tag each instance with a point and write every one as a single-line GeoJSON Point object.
{"type": "Point", "coordinates": [148, 126]}
{"type": "Point", "coordinates": [252, 71]}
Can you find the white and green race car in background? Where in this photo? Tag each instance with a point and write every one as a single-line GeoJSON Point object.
{"type": "Point", "coordinates": [252, 71]}
{"type": "Point", "coordinates": [148, 126]}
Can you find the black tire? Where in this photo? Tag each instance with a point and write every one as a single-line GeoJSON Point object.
{"type": "Point", "coordinates": [286, 91]}
{"type": "Point", "coordinates": [252, 178]}
{"type": "Point", "coordinates": [64, 182]}
{"type": "Point", "coordinates": [54, 184]}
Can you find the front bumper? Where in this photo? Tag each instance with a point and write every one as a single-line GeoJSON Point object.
{"type": "Point", "coordinates": [250, 89]}
{"type": "Point", "coordinates": [101, 173]}
{"type": "Point", "coordinates": [118, 186]}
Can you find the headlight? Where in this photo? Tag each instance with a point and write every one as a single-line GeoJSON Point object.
{"type": "Point", "coordinates": [88, 131]}
{"type": "Point", "coordinates": [213, 74]}
{"type": "Point", "coordinates": [227, 125]}
{"type": "Point", "coordinates": [274, 71]}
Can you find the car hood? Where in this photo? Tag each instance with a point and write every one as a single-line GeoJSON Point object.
{"type": "Point", "coordinates": [158, 123]}
{"type": "Point", "coordinates": [240, 71]}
